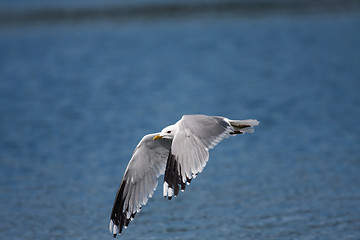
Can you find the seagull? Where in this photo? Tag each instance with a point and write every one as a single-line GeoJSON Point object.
{"type": "Point", "coordinates": [180, 151]}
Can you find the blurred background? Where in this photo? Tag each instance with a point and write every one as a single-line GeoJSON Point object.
{"type": "Point", "coordinates": [81, 82]}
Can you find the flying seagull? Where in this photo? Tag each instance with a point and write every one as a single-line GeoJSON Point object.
{"type": "Point", "coordinates": [180, 151]}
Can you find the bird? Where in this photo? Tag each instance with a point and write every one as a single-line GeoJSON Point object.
{"type": "Point", "coordinates": [179, 152]}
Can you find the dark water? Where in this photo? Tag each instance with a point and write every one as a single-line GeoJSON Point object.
{"type": "Point", "coordinates": [76, 98]}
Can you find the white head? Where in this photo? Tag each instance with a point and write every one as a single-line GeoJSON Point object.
{"type": "Point", "coordinates": [168, 132]}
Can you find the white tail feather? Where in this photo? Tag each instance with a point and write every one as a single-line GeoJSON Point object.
{"type": "Point", "coordinates": [244, 125]}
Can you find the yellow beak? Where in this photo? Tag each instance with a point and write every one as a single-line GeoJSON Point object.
{"type": "Point", "coordinates": [157, 137]}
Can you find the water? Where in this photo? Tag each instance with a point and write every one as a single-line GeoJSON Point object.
{"type": "Point", "coordinates": [76, 98]}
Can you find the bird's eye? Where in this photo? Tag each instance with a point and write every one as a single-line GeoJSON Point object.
{"type": "Point", "coordinates": [168, 132]}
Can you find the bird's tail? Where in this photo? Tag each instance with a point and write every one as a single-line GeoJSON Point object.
{"type": "Point", "coordinates": [241, 126]}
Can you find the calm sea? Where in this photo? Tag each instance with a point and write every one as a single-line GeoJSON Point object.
{"type": "Point", "coordinates": [75, 99]}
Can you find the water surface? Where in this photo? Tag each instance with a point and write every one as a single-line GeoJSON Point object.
{"type": "Point", "coordinates": [76, 98]}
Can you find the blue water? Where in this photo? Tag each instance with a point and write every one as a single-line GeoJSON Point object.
{"type": "Point", "coordinates": [75, 99]}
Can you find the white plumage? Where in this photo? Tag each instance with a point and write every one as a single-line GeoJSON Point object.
{"type": "Point", "coordinates": [181, 151]}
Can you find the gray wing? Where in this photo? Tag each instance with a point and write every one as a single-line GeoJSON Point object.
{"type": "Point", "coordinates": [140, 180]}
{"type": "Point", "coordinates": [190, 149]}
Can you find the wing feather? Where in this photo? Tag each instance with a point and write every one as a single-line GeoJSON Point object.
{"type": "Point", "coordinates": [140, 180]}
{"type": "Point", "coordinates": [190, 148]}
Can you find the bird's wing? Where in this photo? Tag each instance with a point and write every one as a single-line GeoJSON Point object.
{"type": "Point", "coordinates": [190, 149]}
{"type": "Point", "coordinates": [140, 180]}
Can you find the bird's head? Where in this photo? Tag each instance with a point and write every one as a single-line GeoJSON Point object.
{"type": "Point", "coordinates": [168, 132]}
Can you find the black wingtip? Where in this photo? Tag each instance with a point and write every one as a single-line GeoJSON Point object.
{"type": "Point", "coordinates": [117, 216]}
{"type": "Point", "coordinates": [173, 175]}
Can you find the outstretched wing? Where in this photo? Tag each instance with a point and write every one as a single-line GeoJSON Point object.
{"type": "Point", "coordinates": [140, 180]}
{"type": "Point", "coordinates": [190, 149]}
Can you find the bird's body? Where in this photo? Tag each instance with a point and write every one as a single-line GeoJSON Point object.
{"type": "Point", "coordinates": [179, 151]}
